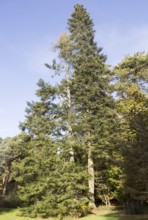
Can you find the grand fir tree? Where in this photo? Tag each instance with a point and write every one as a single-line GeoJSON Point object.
{"type": "Point", "coordinates": [93, 104]}
{"type": "Point", "coordinates": [70, 129]}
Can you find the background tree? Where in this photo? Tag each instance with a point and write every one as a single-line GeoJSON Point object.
{"type": "Point", "coordinates": [5, 164]}
{"type": "Point", "coordinates": [8, 156]}
{"type": "Point", "coordinates": [132, 75]}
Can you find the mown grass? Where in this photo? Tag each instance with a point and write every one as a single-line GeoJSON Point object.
{"type": "Point", "coordinates": [7, 214]}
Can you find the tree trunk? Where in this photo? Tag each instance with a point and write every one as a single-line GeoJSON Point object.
{"type": "Point", "coordinates": [69, 109]}
{"type": "Point", "coordinates": [91, 180]}
{"type": "Point", "coordinates": [6, 176]}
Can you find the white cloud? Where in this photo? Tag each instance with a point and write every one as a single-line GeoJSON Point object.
{"type": "Point", "coordinates": [32, 54]}
{"type": "Point", "coordinates": [3, 129]}
{"type": "Point", "coordinates": [117, 43]}
{"type": "Point", "coordinates": [37, 57]}
{"type": "Point", "coordinates": [1, 110]}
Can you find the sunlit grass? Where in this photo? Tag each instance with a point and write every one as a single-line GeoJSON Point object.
{"type": "Point", "coordinates": [7, 214]}
{"type": "Point", "coordinates": [13, 215]}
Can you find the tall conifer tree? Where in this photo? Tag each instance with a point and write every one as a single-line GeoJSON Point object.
{"type": "Point", "coordinates": [89, 88]}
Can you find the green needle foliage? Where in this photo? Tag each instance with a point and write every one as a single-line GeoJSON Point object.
{"type": "Point", "coordinates": [96, 116]}
{"type": "Point", "coordinates": [48, 182]}
{"type": "Point", "coordinates": [132, 74]}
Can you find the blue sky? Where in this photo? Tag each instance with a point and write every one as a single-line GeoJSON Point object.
{"type": "Point", "coordinates": [29, 29]}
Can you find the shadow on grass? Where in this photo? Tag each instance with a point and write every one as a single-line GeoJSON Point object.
{"type": "Point", "coordinates": [121, 216]}
{"type": "Point", "coordinates": [118, 213]}
{"type": "Point", "coordinates": [5, 210]}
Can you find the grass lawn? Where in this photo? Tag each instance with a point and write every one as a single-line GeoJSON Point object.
{"type": "Point", "coordinates": [104, 215]}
